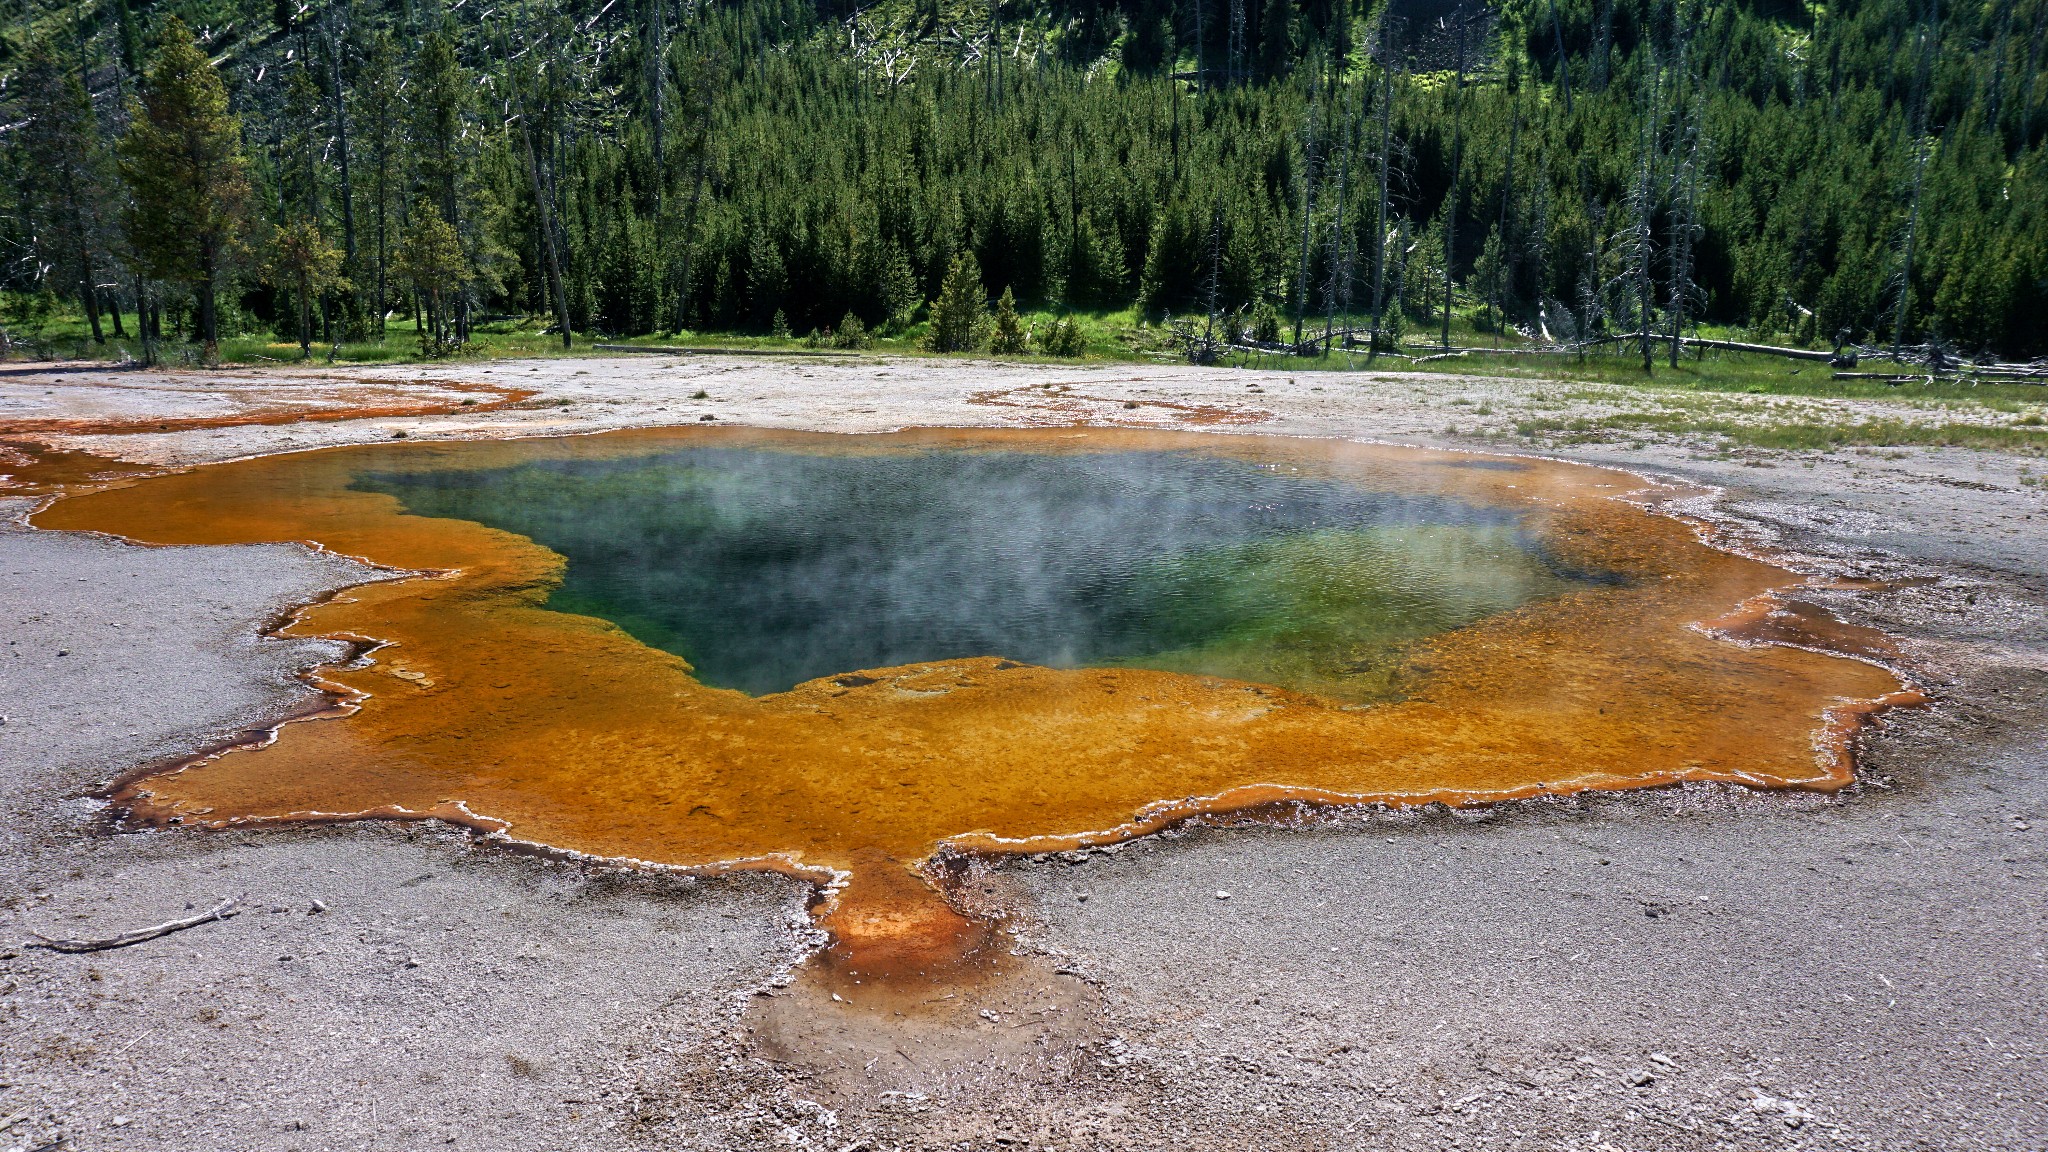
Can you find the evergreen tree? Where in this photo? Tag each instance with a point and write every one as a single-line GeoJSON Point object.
{"type": "Point", "coordinates": [183, 161]}
{"type": "Point", "coordinates": [897, 289]}
{"type": "Point", "coordinates": [1276, 38]}
{"type": "Point", "coordinates": [431, 261]}
{"type": "Point", "coordinates": [311, 267]}
{"type": "Point", "coordinates": [68, 201]}
{"type": "Point", "coordinates": [439, 95]}
{"type": "Point", "coordinates": [959, 315]}
{"type": "Point", "coordinates": [1008, 338]}
{"type": "Point", "coordinates": [851, 333]}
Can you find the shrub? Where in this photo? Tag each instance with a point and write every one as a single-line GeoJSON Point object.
{"type": "Point", "coordinates": [851, 333]}
{"type": "Point", "coordinates": [1265, 324]}
{"type": "Point", "coordinates": [1063, 338]}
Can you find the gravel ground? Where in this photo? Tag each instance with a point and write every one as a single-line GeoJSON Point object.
{"type": "Point", "coordinates": [1689, 968]}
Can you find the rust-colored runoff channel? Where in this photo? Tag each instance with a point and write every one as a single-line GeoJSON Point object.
{"type": "Point", "coordinates": [484, 707]}
{"type": "Point", "coordinates": [28, 468]}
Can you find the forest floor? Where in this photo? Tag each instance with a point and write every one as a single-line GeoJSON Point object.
{"type": "Point", "coordinates": [1687, 968]}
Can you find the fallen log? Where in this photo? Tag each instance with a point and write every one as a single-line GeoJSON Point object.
{"type": "Point", "coordinates": [685, 350]}
{"type": "Point", "coordinates": [1763, 349]}
{"type": "Point", "coordinates": [220, 911]}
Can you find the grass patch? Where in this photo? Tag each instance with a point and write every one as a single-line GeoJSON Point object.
{"type": "Point", "coordinates": [1799, 434]}
{"type": "Point", "coordinates": [1119, 336]}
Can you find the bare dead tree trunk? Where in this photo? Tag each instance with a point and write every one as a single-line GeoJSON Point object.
{"type": "Point", "coordinates": [1379, 242]}
{"type": "Point", "coordinates": [1234, 60]}
{"type": "Point", "coordinates": [1905, 300]}
{"type": "Point", "coordinates": [2033, 72]}
{"type": "Point", "coordinates": [1308, 207]}
{"type": "Point", "coordinates": [656, 48]}
{"type": "Point", "coordinates": [1564, 62]}
{"type": "Point", "coordinates": [1641, 204]}
{"type": "Point", "coordinates": [82, 231]}
{"type": "Point", "coordinates": [1457, 165]}
{"type": "Point", "coordinates": [1681, 222]}
{"type": "Point", "coordinates": [1333, 285]}
{"type": "Point", "coordinates": [1602, 44]}
{"type": "Point", "coordinates": [2000, 48]}
{"type": "Point", "coordinates": [1507, 198]}
{"type": "Point", "coordinates": [340, 91]}
{"type": "Point", "coordinates": [540, 176]}
{"type": "Point", "coordinates": [1930, 48]}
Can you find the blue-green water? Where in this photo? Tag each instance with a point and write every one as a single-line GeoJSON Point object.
{"type": "Point", "coordinates": [766, 567]}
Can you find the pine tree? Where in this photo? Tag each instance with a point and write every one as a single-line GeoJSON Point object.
{"type": "Point", "coordinates": [311, 266]}
{"type": "Point", "coordinates": [1276, 38]}
{"type": "Point", "coordinates": [959, 315]}
{"type": "Point", "coordinates": [439, 96]}
{"type": "Point", "coordinates": [68, 201]}
{"type": "Point", "coordinates": [1009, 338]}
{"type": "Point", "coordinates": [898, 288]}
{"type": "Point", "coordinates": [430, 259]}
{"type": "Point", "coordinates": [183, 161]}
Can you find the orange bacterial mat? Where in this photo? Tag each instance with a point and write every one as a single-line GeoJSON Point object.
{"type": "Point", "coordinates": [485, 707]}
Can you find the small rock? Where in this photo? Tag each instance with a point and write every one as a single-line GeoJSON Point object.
{"type": "Point", "coordinates": [1639, 1079]}
{"type": "Point", "coordinates": [1661, 1058]}
{"type": "Point", "coordinates": [1222, 895]}
{"type": "Point", "coordinates": [119, 1122]}
{"type": "Point", "coordinates": [1082, 896]}
{"type": "Point", "coordinates": [316, 908]}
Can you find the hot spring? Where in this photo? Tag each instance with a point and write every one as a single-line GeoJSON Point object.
{"type": "Point", "coordinates": [838, 656]}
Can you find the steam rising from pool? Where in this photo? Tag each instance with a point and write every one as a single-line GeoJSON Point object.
{"type": "Point", "coordinates": [766, 567]}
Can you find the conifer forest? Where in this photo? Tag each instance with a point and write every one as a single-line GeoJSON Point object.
{"type": "Point", "coordinates": [1565, 170]}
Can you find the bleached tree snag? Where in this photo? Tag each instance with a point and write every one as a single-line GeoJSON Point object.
{"type": "Point", "coordinates": [220, 911]}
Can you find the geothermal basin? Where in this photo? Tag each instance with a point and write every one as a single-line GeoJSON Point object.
{"type": "Point", "coordinates": [851, 658]}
